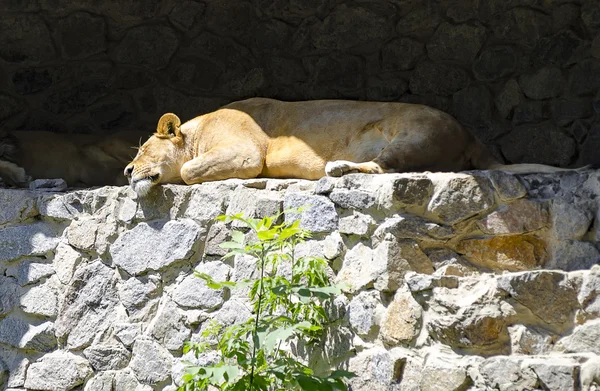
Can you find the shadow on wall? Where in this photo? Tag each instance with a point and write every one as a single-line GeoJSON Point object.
{"type": "Point", "coordinates": [526, 79]}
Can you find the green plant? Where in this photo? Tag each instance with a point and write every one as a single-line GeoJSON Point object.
{"type": "Point", "coordinates": [287, 307]}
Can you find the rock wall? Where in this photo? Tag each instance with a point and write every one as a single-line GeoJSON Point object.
{"type": "Point", "coordinates": [524, 74]}
{"type": "Point", "coordinates": [473, 281]}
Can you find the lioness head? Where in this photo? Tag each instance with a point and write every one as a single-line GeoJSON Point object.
{"type": "Point", "coordinates": [159, 159]}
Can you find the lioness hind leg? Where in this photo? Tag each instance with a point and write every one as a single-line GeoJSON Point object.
{"type": "Point", "coordinates": [338, 168]}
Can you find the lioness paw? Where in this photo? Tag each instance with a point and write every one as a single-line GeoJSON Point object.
{"type": "Point", "coordinates": [339, 167]}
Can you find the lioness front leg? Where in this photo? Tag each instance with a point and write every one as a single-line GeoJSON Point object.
{"type": "Point", "coordinates": [222, 163]}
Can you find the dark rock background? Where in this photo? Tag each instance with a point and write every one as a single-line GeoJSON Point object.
{"type": "Point", "coordinates": [523, 74]}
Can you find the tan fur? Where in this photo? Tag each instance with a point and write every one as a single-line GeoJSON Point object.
{"type": "Point", "coordinates": [82, 160]}
{"type": "Point", "coordinates": [308, 140]}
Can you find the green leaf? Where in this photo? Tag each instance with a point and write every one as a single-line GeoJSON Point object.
{"type": "Point", "coordinates": [238, 237]}
{"type": "Point", "coordinates": [232, 245]}
{"type": "Point", "coordinates": [266, 235]}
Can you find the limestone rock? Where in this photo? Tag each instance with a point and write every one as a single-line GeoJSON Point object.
{"type": "Point", "coordinates": [66, 260]}
{"type": "Point", "coordinates": [175, 241]}
{"type": "Point", "coordinates": [402, 320]}
{"type": "Point", "coordinates": [529, 341]}
{"type": "Point", "coordinates": [150, 362]}
{"type": "Point", "coordinates": [556, 374]}
{"type": "Point", "coordinates": [17, 206]}
{"type": "Point", "coordinates": [505, 374]}
{"type": "Point", "coordinates": [127, 333]}
{"type": "Point", "coordinates": [102, 381]}
{"type": "Point", "coordinates": [82, 233]}
{"type": "Point", "coordinates": [411, 227]}
{"type": "Point", "coordinates": [356, 224]}
{"type": "Point", "coordinates": [379, 368]}
{"type": "Point", "coordinates": [57, 371]}
{"type": "Point", "coordinates": [8, 294]}
{"type": "Point", "coordinates": [443, 372]}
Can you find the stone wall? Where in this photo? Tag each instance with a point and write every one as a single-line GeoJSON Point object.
{"type": "Point", "coordinates": [524, 74]}
{"type": "Point", "coordinates": [473, 281]}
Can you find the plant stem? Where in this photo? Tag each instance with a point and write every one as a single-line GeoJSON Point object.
{"type": "Point", "coordinates": [259, 302]}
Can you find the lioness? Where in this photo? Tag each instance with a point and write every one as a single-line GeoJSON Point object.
{"type": "Point", "coordinates": [82, 160]}
{"type": "Point", "coordinates": [307, 140]}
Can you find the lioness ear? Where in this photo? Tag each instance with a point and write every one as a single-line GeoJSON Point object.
{"type": "Point", "coordinates": [168, 125]}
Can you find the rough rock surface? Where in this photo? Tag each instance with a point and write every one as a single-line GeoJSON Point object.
{"type": "Point", "coordinates": [470, 281]}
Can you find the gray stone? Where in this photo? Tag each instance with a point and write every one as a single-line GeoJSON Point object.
{"type": "Point", "coordinates": [40, 300]}
{"type": "Point", "coordinates": [524, 25]}
{"type": "Point", "coordinates": [253, 204]}
{"type": "Point", "coordinates": [356, 224]}
{"type": "Point", "coordinates": [495, 62]}
{"type": "Point", "coordinates": [76, 97]}
{"type": "Point", "coordinates": [151, 46]}
{"type": "Point", "coordinates": [127, 333]}
{"type": "Point", "coordinates": [90, 32]}
{"type": "Point", "coordinates": [505, 374]}
{"type": "Point", "coordinates": [509, 97]}
{"type": "Point", "coordinates": [177, 239]}
{"type": "Point", "coordinates": [135, 292]}
{"type": "Point", "coordinates": [66, 260]}
{"type": "Point", "coordinates": [529, 341]}
{"type": "Point", "coordinates": [411, 227]}
{"type": "Point", "coordinates": [584, 77]}
{"type": "Point", "coordinates": [185, 14]}
{"type": "Point", "coordinates": [29, 271]}
{"type": "Point", "coordinates": [364, 312]}
{"type": "Point", "coordinates": [440, 79]}
{"type": "Point", "coordinates": [57, 371]}
{"type": "Point", "coordinates": [150, 362]}
{"type": "Point", "coordinates": [557, 374]}
{"type": "Point", "coordinates": [8, 294]}
{"type": "Point", "coordinates": [473, 106]}
{"type": "Point", "coordinates": [459, 196]}
{"type": "Point", "coordinates": [192, 292]}
{"type": "Point", "coordinates": [349, 26]}
{"type": "Point", "coordinates": [553, 147]}
{"type": "Point", "coordinates": [18, 333]}
{"type": "Point", "coordinates": [126, 380]}
{"type": "Point", "coordinates": [102, 381]}
{"type": "Point", "coordinates": [584, 338]}
{"type": "Point", "coordinates": [518, 217]}
{"type": "Point", "coordinates": [566, 110]}
{"type": "Point", "coordinates": [319, 216]}
{"type": "Point", "coordinates": [218, 233]}
{"type": "Point", "coordinates": [207, 202]}
{"type": "Point", "coordinates": [421, 22]}
{"type": "Point", "coordinates": [401, 54]}
{"type": "Point", "coordinates": [596, 47]}
{"type": "Point", "coordinates": [590, 14]}
{"type": "Point", "coordinates": [549, 295]}
{"type": "Point", "coordinates": [529, 111]}
{"type": "Point", "coordinates": [507, 186]}
{"type": "Point", "coordinates": [105, 357]}
{"type": "Point", "coordinates": [32, 239]}
{"type": "Point", "coordinates": [26, 39]}
{"type": "Point", "coordinates": [459, 43]}
{"type": "Point", "coordinates": [562, 49]}
{"type": "Point", "coordinates": [543, 84]}
{"type": "Point", "coordinates": [443, 372]}
{"type": "Point", "coordinates": [89, 306]}
{"type": "Point", "coordinates": [169, 327]}
{"type": "Point", "coordinates": [352, 199]}
{"type": "Point", "coordinates": [29, 81]}
{"type": "Point", "coordinates": [413, 191]}
{"type": "Point", "coordinates": [82, 233]}
{"type": "Point", "coordinates": [17, 206]}
{"type": "Point", "coordinates": [379, 368]}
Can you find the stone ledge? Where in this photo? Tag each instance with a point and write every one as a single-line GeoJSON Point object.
{"type": "Point", "coordinates": [454, 264]}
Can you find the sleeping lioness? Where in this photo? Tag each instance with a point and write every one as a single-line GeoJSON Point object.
{"type": "Point", "coordinates": [308, 140]}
